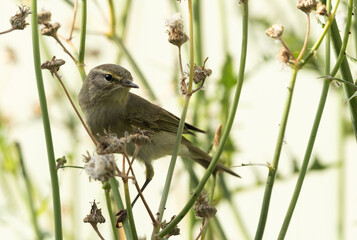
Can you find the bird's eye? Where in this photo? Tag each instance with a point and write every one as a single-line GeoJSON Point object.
{"type": "Point", "coordinates": [108, 77]}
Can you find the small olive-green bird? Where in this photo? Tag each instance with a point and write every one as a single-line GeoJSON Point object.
{"type": "Point", "coordinates": [108, 105]}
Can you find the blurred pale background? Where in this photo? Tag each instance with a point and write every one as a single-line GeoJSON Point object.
{"type": "Point", "coordinates": [255, 128]}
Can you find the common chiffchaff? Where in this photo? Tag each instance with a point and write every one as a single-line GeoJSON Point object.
{"type": "Point", "coordinates": [109, 106]}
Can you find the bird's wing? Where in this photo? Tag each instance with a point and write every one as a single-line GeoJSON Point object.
{"type": "Point", "coordinates": [145, 115]}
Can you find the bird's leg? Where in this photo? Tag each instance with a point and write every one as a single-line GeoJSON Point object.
{"type": "Point", "coordinates": [140, 191]}
{"type": "Point", "coordinates": [149, 176]}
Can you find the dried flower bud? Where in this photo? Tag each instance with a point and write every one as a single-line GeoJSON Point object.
{"type": "Point", "coordinates": [141, 137]}
{"type": "Point", "coordinates": [285, 55]}
{"type": "Point", "coordinates": [44, 17]}
{"type": "Point", "coordinates": [176, 35]}
{"type": "Point", "coordinates": [100, 167]}
{"type": "Point", "coordinates": [53, 65]}
{"type": "Point", "coordinates": [321, 9]}
{"type": "Point", "coordinates": [174, 232]}
{"type": "Point", "coordinates": [217, 136]}
{"type": "Point", "coordinates": [110, 143]}
{"type": "Point", "coordinates": [275, 31]}
{"type": "Point", "coordinates": [122, 214]}
{"type": "Point", "coordinates": [61, 162]}
{"type": "Point", "coordinates": [95, 216]}
{"type": "Point", "coordinates": [200, 73]}
{"type": "Point", "coordinates": [306, 5]}
{"type": "Point", "coordinates": [50, 29]}
{"type": "Point", "coordinates": [19, 20]}
{"type": "Point", "coordinates": [203, 208]}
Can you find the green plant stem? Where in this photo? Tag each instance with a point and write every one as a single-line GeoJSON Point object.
{"type": "Point", "coordinates": [305, 163]}
{"type": "Point", "coordinates": [346, 75]}
{"type": "Point", "coordinates": [197, 8]}
{"type": "Point", "coordinates": [29, 192]}
{"type": "Point", "coordinates": [114, 186]}
{"type": "Point", "coordinates": [46, 124]}
{"type": "Point", "coordinates": [111, 213]}
{"type": "Point", "coordinates": [227, 128]}
{"type": "Point", "coordinates": [317, 120]}
{"type": "Point", "coordinates": [118, 41]}
{"type": "Point", "coordinates": [272, 171]}
{"type": "Point", "coordinates": [82, 43]}
{"type": "Point", "coordinates": [354, 30]}
{"type": "Point", "coordinates": [112, 17]}
{"type": "Point", "coordinates": [129, 209]}
{"type": "Point", "coordinates": [171, 169]}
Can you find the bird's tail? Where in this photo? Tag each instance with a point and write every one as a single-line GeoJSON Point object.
{"type": "Point", "coordinates": [204, 159]}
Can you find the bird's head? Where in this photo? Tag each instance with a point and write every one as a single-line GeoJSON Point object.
{"type": "Point", "coordinates": [110, 77]}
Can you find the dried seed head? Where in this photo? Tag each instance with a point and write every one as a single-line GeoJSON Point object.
{"type": "Point", "coordinates": [100, 167]}
{"type": "Point", "coordinates": [203, 208]}
{"type": "Point", "coordinates": [44, 17]}
{"type": "Point", "coordinates": [53, 65]}
{"type": "Point", "coordinates": [50, 29]}
{"type": "Point", "coordinates": [321, 9]}
{"type": "Point", "coordinates": [285, 55]}
{"type": "Point", "coordinates": [176, 35]}
{"type": "Point", "coordinates": [174, 232]}
{"type": "Point", "coordinates": [141, 137]}
{"type": "Point", "coordinates": [19, 20]}
{"type": "Point", "coordinates": [95, 216]}
{"type": "Point", "coordinates": [200, 73]}
{"type": "Point", "coordinates": [275, 31]}
{"type": "Point", "coordinates": [306, 5]}
{"type": "Point", "coordinates": [110, 143]}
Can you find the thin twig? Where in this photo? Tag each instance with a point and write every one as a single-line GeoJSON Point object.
{"type": "Point", "coordinates": [69, 39]}
{"type": "Point", "coordinates": [306, 38]}
{"type": "Point", "coordinates": [286, 47]}
{"type": "Point", "coordinates": [183, 78]}
{"type": "Point", "coordinates": [7, 31]}
{"type": "Point", "coordinates": [137, 148]}
{"type": "Point", "coordinates": [204, 226]}
{"type": "Point", "coordinates": [75, 108]}
{"type": "Point", "coordinates": [65, 49]}
{"type": "Point", "coordinates": [97, 231]}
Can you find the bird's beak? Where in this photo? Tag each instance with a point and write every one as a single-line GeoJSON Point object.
{"type": "Point", "coordinates": [129, 84]}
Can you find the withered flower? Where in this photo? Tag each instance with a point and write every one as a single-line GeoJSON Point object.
{"type": "Point", "coordinates": [306, 5]}
{"type": "Point", "coordinates": [203, 208]}
{"type": "Point", "coordinates": [321, 9]}
{"type": "Point", "coordinates": [19, 20]}
{"type": "Point", "coordinates": [174, 232]}
{"type": "Point", "coordinates": [176, 35]}
{"type": "Point", "coordinates": [110, 143]}
{"type": "Point", "coordinates": [275, 31]}
{"type": "Point", "coordinates": [53, 65]}
{"type": "Point", "coordinates": [141, 137]}
{"type": "Point", "coordinates": [50, 29]}
{"type": "Point", "coordinates": [94, 217]}
{"type": "Point", "coordinates": [285, 55]}
{"type": "Point", "coordinates": [100, 167]}
{"type": "Point", "coordinates": [200, 73]}
{"type": "Point", "coordinates": [44, 17]}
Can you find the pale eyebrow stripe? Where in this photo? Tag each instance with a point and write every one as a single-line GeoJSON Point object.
{"type": "Point", "coordinates": [107, 72]}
